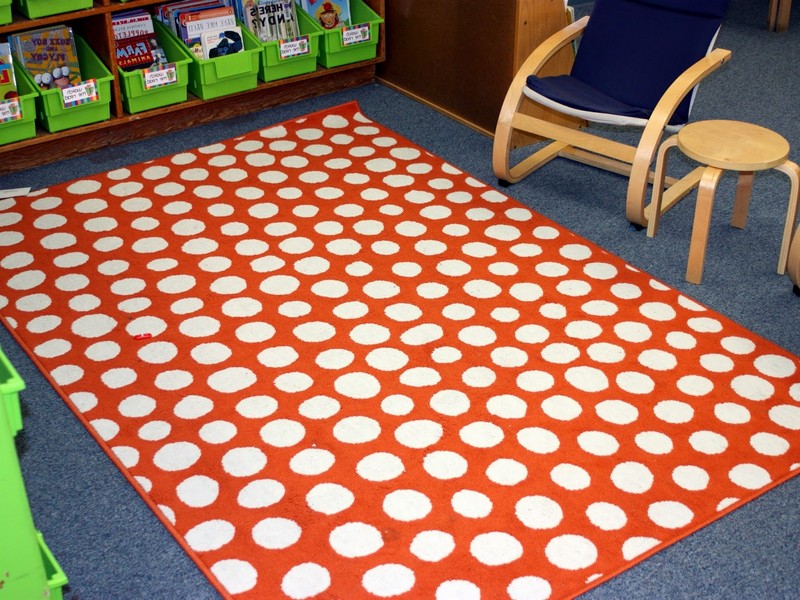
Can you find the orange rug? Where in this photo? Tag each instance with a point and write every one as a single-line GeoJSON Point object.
{"type": "Point", "coordinates": [337, 367]}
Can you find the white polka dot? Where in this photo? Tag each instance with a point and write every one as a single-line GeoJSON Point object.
{"type": "Point", "coordinates": [432, 546]}
{"type": "Point", "coordinates": [539, 512]}
{"type": "Point", "coordinates": [606, 516]}
{"type": "Point", "coordinates": [571, 552]}
{"type": "Point", "coordinates": [305, 581]}
{"type": "Point", "coordinates": [276, 533]}
{"type": "Point", "coordinates": [529, 588]}
{"type": "Point", "coordinates": [388, 580]}
{"type": "Point", "coordinates": [571, 477]}
{"type": "Point", "coordinates": [261, 493]}
{"type": "Point", "coordinates": [632, 477]}
{"type": "Point", "coordinates": [506, 471]}
{"type": "Point", "coordinates": [407, 505]}
{"type": "Point", "coordinates": [670, 514]}
{"type": "Point", "coordinates": [749, 476]}
{"type": "Point", "coordinates": [445, 464]}
{"type": "Point", "coordinates": [471, 504]}
{"type": "Point", "coordinates": [329, 498]}
{"type": "Point", "coordinates": [495, 548]}
{"type": "Point", "coordinates": [352, 540]}
{"type": "Point", "coordinates": [237, 576]}
{"type": "Point", "coordinates": [177, 456]}
{"type": "Point", "coordinates": [356, 430]}
{"type": "Point", "coordinates": [380, 466]}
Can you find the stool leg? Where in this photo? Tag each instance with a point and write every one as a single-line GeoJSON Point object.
{"type": "Point", "coordinates": [702, 221]}
{"type": "Point", "coordinates": [793, 171]}
{"type": "Point", "coordinates": [741, 204]}
{"type": "Point", "coordinates": [658, 185]}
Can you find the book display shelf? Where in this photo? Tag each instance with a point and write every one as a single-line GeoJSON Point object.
{"type": "Point", "coordinates": [130, 117]}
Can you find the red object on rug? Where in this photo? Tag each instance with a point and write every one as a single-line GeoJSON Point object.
{"type": "Point", "coordinates": [338, 367]}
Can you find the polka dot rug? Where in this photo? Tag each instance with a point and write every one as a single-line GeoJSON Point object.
{"type": "Point", "coordinates": [337, 367]}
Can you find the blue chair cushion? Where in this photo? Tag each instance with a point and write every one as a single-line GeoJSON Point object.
{"type": "Point", "coordinates": [630, 53]}
{"type": "Point", "coordinates": [572, 92]}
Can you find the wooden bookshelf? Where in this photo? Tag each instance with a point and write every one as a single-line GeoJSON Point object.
{"type": "Point", "coordinates": [459, 56]}
{"type": "Point", "coordinates": [94, 25]}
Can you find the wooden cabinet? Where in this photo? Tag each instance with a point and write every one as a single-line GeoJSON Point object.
{"type": "Point", "coordinates": [94, 25]}
{"type": "Point", "coordinates": [460, 56]}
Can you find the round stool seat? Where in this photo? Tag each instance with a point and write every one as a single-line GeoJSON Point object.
{"type": "Point", "coordinates": [733, 145]}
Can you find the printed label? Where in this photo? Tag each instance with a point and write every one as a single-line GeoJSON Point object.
{"type": "Point", "coordinates": [355, 34]}
{"type": "Point", "coordinates": [10, 110]}
{"type": "Point", "coordinates": [160, 75]}
{"type": "Point", "coordinates": [80, 93]}
{"type": "Point", "coordinates": [291, 47]}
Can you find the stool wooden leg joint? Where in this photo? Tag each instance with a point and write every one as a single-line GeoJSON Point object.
{"type": "Point", "coordinates": [702, 222]}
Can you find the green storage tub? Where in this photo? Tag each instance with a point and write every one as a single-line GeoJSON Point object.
{"type": "Point", "coordinates": [137, 98]}
{"type": "Point", "coordinates": [221, 76]}
{"type": "Point", "coordinates": [333, 53]}
{"type": "Point", "coordinates": [50, 109]}
{"type": "Point", "coordinates": [273, 67]}
{"type": "Point", "coordinates": [5, 12]}
{"type": "Point", "coordinates": [11, 385]}
{"type": "Point", "coordinates": [24, 128]}
{"type": "Point", "coordinates": [56, 578]}
{"type": "Point", "coordinates": [33, 9]}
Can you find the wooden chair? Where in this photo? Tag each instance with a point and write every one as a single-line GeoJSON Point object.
{"type": "Point", "coordinates": [638, 64]}
{"type": "Point", "coordinates": [793, 265]}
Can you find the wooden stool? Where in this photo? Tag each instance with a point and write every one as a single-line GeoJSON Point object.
{"type": "Point", "coordinates": [725, 146]}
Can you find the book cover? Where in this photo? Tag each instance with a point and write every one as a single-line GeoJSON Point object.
{"type": "Point", "coordinates": [8, 83]}
{"type": "Point", "coordinates": [139, 52]}
{"type": "Point", "coordinates": [329, 14]}
{"type": "Point", "coordinates": [271, 20]}
{"type": "Point", "coordinates": [195, 23]}
{"type": "Point", "coordinates": [131, 24]}
{"type": "Point", "coordinates": [221, 42]}
{"type": "Point", "coordinates": [49, 55]}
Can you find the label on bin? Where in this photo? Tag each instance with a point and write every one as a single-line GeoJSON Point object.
{"type": "Point", "coordinates": [10, 110]}
{"type": "Point", "coordinates": [159, 75]}
{"type": "Point", "coordinates": [355, 34]}
{"type": "Point", "coordinates": [297, 46]}
{"type": "Point", "coordinates": [80, 93]}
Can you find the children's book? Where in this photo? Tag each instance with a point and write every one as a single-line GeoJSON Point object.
{"type": "Point", "coordinates": [135, 41]}
{"type": "Point", "coordinates": [194, 24]}
{"type": "Point", "coordinates": [330, 14]}
{"type": "Point", "coordinates": [271, 20]}
{"type": "Point", "coordinates": [132, 23]}
{"type": "Point", "coordinates": [221, 42]}
{"type": "Point", "coordinates": [8, 83]}
{"type": "Point", "coordinates": [49, 55]}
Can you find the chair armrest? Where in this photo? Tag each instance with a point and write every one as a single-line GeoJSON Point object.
{"type": "Point", "coordinates": [549, 47]}
{"type": "Point", "coordinates": [535, 61]}
{"type": "Point", "coordinates": [648, 144]}
{"type": "Point", "coordinates": [686, 82]}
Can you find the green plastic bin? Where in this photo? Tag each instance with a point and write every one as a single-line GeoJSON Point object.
{"type": "Point", "coordinates": [27, 567]}
{"type": "Point", "coordinates": [33, 9]}
{"type": "Point", "coordinates": [54, 574]}
{"type": "Point", "coordinates": [5, 12]}
{"type": "Point", "coordinates": [221, 76]}
{"type": "Point", "coordinates": [11, 385]}
{"type": "Point", "coordinates": [137, 98]}
{"type": "Point", "coordinates": [24, 128]}
{"type": "Point", "coordinates": [50, 109]}
{"type": "Point", "coordinates": [333, 53]}
{"type": "Point", "coordinates": [273, 67]}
